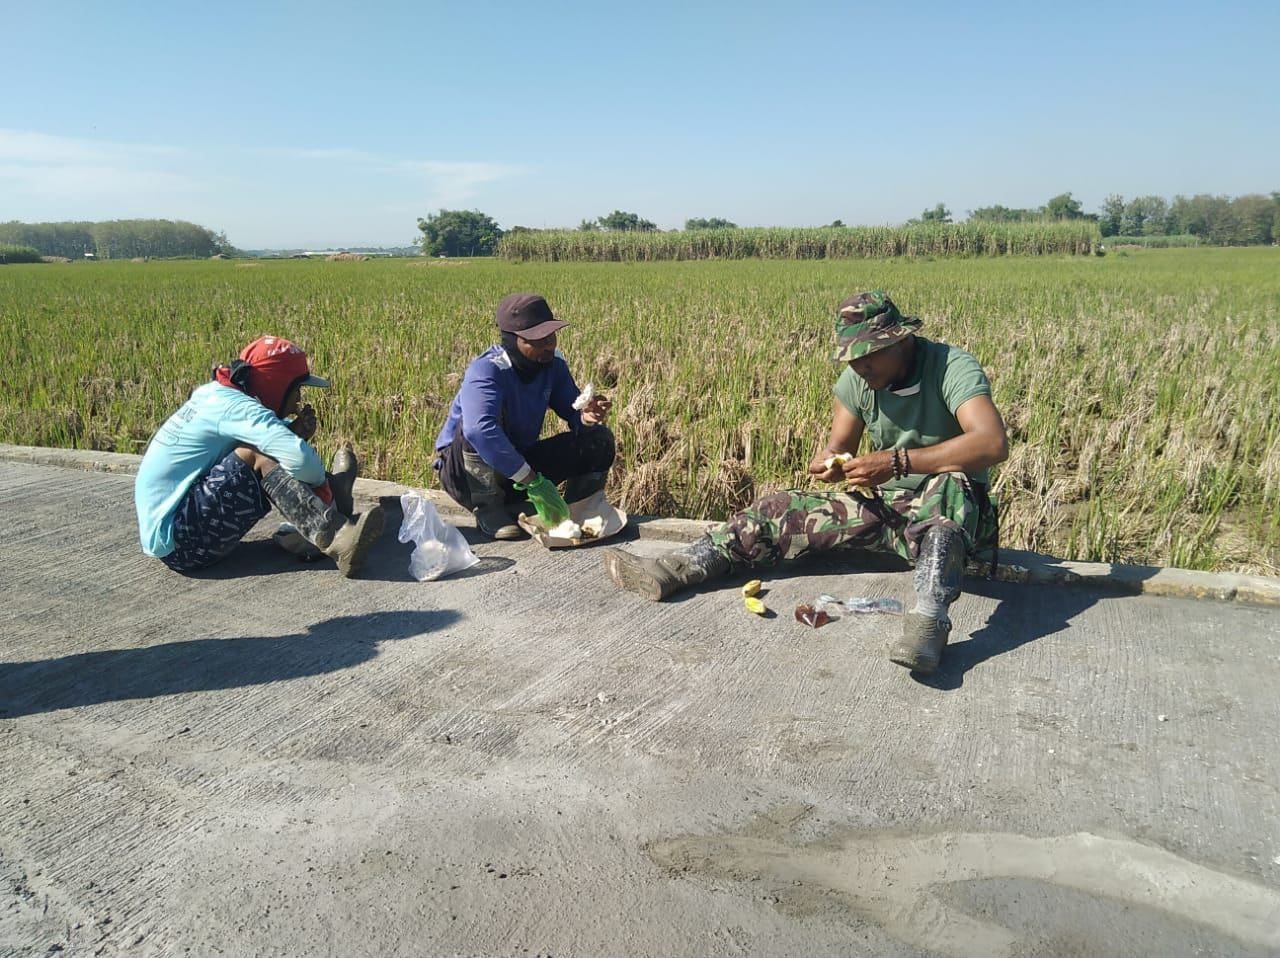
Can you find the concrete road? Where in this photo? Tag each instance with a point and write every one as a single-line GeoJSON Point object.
{"type": "Point", "coordinates": [273, 760]}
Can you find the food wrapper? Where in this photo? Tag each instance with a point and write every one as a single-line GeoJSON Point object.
{"type": "Point", "coordinates": [814, 618]}
{"type": "Point", "coordinates": [593, 516]}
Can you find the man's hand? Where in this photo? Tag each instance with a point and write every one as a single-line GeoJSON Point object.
{"type": "Point", "coordinates": [823, 472]}
{"type": "Point", "coordinates": [870, 470]}
{"type": "Point", "coordinates": [546, 499]}
{"type": "Point", "coordinates": [304, 424]}
{"type": "Point", "coordinates": [595, 411]}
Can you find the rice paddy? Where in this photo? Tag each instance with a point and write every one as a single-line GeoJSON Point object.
{"type": "Point", "coordinates": [1141, 390]}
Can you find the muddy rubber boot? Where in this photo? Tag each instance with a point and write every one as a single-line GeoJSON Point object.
{"type": "Point", "coordinates": [581, 487]}
{"type": "Point", "coordinates": [938, 578]}
{"type": "Point", "coordinates": [487, 500]}
{"type": "Point", "coordinates": [922, 642]}
{"type": "Point", "coordinates": [344, 540]}
{"type": "Point", "coordinates": [655, 579]}
{"type": "Point", "coordinates": [343, 469]}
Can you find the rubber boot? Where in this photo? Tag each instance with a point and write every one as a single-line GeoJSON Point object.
{"type": "Point", "coordinates": [487, 500]}
{"type": "Point", "coordinates": [343, 469]}
{"type": "Point", "coordinates": [656, 579]}
{"type": "Point", "coordinates": [938, 578]}
{"type": "Point", "coordinates": [584, 486]}
{"type": "Point", "coordinates": [344, 540]}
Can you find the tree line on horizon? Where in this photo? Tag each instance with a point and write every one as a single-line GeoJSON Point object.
{"type": "Point", "coordinates": [117, 239]}
{"type": "Point", "coordinates": [1252, 219]}
{"type": "Point", "coordinates": [1249, 220]}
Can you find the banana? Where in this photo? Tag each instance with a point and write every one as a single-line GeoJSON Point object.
{"type": "Point", "coordinates": [752, 588]}
{"type": "Point", "coordinates": [754, 605]}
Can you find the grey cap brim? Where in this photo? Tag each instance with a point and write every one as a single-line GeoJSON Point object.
{"type": "Point", "coordinates": [315, 381]}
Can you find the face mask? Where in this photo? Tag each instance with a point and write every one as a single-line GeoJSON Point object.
{"type": "Point", "coordinates": [527, 369]}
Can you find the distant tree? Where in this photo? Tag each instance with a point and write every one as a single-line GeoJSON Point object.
{"type": "Point", "coordinates": [588, 226]}
{"type": "Point", "coordinates": [714, 223]}
{"type": "Point", "coordinates": [1111, 220]}
{"type": "Point", "coordinates": [459, 233]}
{"type": "Point", "coordinates": [1145, 216]}
{"type": "Point", "coordinates": [1063, 207]}
{"type": "Point", "coordinates": [620, 222]}
{"type": "Point", "coordinates": [1255, 217]}
{"type": "Point", "coordinates": [836, 224]}
{"type": "Point", "coordinates": [939, 214]}
{"type": "Point", "coordinates": [1003, 214]}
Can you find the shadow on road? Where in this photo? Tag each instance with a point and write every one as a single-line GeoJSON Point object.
{"type": "Point", "coordinates": [172, 668]}
{"type": "Point", "coordinates": [1025, 613]}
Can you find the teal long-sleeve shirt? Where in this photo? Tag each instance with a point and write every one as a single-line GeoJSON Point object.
{"type": "Point", "coordinates": [215, 420]}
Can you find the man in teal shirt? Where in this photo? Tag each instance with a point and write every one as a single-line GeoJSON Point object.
{"type": "Point", "coordinates": [921, 491]}
{"type": "Point", "coordinates": [218, 464]}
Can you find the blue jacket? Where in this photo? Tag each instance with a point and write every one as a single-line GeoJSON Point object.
{"type": "Point", "coordinates": [215, 420]}
{"type": "Point", "coordinates": [501, 416]}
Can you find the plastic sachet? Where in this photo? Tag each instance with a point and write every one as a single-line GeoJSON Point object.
{"type": "Point", "coordinates": [857, 605]}
{"type": "Point", "coordinates": [438, 548]}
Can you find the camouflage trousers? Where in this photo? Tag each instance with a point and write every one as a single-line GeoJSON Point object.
{"type": "Point", "coordinates": [790, 524]}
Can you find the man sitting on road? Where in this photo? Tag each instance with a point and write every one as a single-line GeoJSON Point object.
{"type": "Point", "coordinates": [490, 456]}
{"type": "Point", "coordinates": [220, 462]}
{"type": "Point", "coordinates": [921, 491]}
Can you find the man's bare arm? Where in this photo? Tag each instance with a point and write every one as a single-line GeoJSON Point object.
{"type": "Point", "coordinates": [983, 443]}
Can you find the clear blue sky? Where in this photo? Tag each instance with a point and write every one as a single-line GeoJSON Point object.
{"type": "Point", "coordinates": [316, 124]}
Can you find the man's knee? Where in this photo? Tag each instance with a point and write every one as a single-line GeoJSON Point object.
{"type": "Point", "coordinates": [255, 460]}
{"type": "Point", "coordinates": [773, 506]}
{"type": "Point", "coordinates": [599, 448]}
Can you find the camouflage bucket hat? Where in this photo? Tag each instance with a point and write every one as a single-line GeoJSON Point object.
{"type": "Point", "coordinates": [869, 322]}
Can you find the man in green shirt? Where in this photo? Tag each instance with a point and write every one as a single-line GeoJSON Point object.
{"type": "Point", "coordinates": [921, 490]}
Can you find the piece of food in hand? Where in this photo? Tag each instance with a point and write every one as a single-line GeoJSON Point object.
{"type": "Point", "coordinates": [593, 528]}
{"type": "Point", "coordinates": [754, 605]}
{"type": "Point", "coordinates": [588, 393]}
{"type": "Point", "coordinates": [566, 530]}
{"type": "Point", "coordinates": [752, 588]}
{"type": "Point", "coordinates": [839, 459]}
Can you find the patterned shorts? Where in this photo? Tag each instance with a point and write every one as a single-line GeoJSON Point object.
{"type": "Point", "coordinates": [217, 511]}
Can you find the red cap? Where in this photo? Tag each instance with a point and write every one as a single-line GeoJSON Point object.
{"type": "Point", "coordinates": [276, 366]}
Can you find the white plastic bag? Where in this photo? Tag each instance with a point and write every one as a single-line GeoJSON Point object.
{"type": "Point", "coordinates": [438, 548]}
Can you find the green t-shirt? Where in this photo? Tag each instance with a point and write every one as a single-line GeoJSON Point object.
{"type": "Point", "coordinates": [923, 412]}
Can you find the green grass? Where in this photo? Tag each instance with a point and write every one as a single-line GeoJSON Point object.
{"type": "Point", "coordinates": [1151, 242]}
{"type": "Point", "coordinates": [1141, 391]}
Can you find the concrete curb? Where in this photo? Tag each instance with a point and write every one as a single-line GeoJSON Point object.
{"type": "Point", "coordinates": [1015, 565]}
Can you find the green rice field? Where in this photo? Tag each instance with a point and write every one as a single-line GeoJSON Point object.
{"type": "Point", "coordinates": [1141, 389]}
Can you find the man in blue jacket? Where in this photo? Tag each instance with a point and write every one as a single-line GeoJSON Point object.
{"type": "Point", "coordinates": [220, 462]}
{"type": "Point", "coordinates": [490, 455]}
